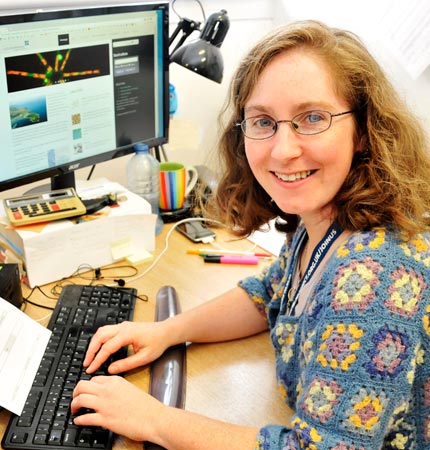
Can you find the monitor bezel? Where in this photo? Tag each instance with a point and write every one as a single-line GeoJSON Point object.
{"type": "Point", "coordinates": [63, 175]}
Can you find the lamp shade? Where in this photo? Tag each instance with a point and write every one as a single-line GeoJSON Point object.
{"type": "Point", "coordinates": [203, 56]}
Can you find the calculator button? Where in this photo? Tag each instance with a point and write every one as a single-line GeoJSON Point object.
{"type": "Point", "coordinates": [55, 207]}
{"type": "Point", "coordinates": [17, 215]}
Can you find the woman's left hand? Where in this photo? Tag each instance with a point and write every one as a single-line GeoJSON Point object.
{"type": "Point", "coordinates": [117, 405]}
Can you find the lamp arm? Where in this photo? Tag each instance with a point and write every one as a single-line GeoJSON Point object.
{"type": "Point", "coordinates": [185, 25]}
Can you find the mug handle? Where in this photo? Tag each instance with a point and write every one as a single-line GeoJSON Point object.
{"type": "Point", "coordinates": [192, 177]}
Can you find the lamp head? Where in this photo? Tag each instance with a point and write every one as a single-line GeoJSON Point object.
{"type": "Point", "coordinates": [203, 56]}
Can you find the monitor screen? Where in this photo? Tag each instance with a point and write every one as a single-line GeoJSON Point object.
{"type": "Point", "coordinates": [80, 86]}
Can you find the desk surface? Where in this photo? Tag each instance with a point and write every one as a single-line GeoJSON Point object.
{"type": "Point", "coordinates": [231, 381]}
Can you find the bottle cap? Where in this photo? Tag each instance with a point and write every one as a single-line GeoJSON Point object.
{"type": "Point", "coordinates": [141, 147]}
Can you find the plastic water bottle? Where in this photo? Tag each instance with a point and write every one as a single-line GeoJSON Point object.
{"type": "Point", "coordinates": [143, 175]}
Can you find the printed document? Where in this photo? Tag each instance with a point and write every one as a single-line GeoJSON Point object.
{"type": "Point", "coordinates": [22, 345]}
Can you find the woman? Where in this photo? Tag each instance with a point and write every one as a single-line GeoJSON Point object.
{"type": "Point", "coordinates": [317, 137]}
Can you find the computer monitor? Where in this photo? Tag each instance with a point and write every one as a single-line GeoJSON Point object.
{"type": "Point", "coordinates": [79, 86]}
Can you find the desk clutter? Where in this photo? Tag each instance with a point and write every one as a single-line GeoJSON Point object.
{"type": "Point", "coordinates": [50, 251]}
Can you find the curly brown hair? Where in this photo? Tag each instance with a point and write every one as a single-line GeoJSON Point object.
{"type": "Point", "coordinates": [388, 182]}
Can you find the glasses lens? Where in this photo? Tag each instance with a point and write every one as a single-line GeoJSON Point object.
{"type": "Point", "coordinates": [312, 122]}
{"type": "Point", "coordinates": [259, 127]}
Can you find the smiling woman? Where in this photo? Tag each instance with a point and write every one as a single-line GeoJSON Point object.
{"type": "Point", "coordinates": [316, 135]}
{"type": "Point", "coordinates": [389, 144]}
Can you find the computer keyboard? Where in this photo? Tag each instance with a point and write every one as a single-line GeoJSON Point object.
{"type": "Point", "coordinates": [46, 419]}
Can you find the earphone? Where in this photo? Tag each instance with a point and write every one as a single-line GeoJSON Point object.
{"type": "Point", "coordinates": [119, 281]}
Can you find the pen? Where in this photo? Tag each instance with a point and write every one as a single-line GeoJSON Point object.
{"type": "Point", "coordinates": [207, 251]}
{"type": "Point", "coordinates": [230, 259]}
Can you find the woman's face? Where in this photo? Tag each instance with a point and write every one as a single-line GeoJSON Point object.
{"type": "Point", "coordinates": [301, 173]}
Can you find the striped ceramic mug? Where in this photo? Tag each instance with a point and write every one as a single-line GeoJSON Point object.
{"type": "Point", "coordinates": [176, 182]}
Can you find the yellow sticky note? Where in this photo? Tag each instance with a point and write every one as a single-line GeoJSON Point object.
{"type": "Point", "coordinates": [139, 257]}
{"type": "Point", "coordinates": [121, 248]}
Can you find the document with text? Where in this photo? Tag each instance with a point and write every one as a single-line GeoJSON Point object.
{"type": "Point", "coordinates": [22, 344]}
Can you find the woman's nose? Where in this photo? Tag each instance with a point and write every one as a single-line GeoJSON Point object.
{"type": "Point", "coordinates": [286, 143]}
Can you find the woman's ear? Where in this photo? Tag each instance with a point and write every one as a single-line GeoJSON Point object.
{"type": "Point", "coordinates": [362, 145]}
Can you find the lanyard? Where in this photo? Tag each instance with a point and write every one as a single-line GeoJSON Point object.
{"type": "Point", "coordinates": [317, 256]}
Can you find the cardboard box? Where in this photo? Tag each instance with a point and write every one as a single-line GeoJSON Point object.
{"type": "Point", "coordinates": [54, 250]}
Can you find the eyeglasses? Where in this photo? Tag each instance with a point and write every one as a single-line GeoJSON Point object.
{"type": "Point", "coordinates": [308, 122]}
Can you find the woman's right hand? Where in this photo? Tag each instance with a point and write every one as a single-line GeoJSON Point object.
{"type": "Point", "coordinates": [148, 340]}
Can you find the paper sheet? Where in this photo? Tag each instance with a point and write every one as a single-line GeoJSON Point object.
{"type": "Point", "coordinates": [269, 238]}
{"type": "Point", "coordinates": [405, 29]}
{"type": "Point", "coordinates": [22, 345]}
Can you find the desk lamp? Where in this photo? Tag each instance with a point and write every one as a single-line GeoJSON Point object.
{"type": "Point", "coordinates": [203, 55]}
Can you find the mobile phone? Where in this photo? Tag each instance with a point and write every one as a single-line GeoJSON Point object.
{"type": "Point", "coordinates": [196, 231]}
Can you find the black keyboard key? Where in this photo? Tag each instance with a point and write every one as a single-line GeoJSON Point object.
{"type": "Point", "coordinates": [101, 437]}
{"type": "Point", "coordinates": [40, 438]}
{"type": "Point", "coordinates": [19, 437]}
{"type": "Point", "coordinates": [56, 437]}
{"type": "Point", "coordinates": [86, 437]}
{"type": "Point", "coordinates": [32, 399]}
{"type": "Point", "coordinates": [70, 436]}
{"type": "Point", "coordinates": [24, 421]}
{"type": "Point", "coordinates": [40, 380]}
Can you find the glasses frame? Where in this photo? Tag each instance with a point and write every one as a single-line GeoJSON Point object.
{"type": "Point", "coordinates": [293, 125]}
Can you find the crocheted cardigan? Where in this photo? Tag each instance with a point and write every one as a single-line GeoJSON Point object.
{"type": "Point", "coordinates": [355, 364]}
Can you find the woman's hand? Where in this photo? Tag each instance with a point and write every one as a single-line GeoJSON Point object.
{"type": "Point", "coordinates": [230, 316]}
{"type": "Point", "coordinates": [117, 405]}
{"type": "Point", "coordinates": [148, 340]}
{"type": "Point", "coordinates": [121, 407]}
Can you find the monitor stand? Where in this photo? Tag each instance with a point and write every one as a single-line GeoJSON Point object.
{"type": "Point", "coordinates": [62, 181]}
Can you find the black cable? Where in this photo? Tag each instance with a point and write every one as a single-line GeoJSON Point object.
{"type": "Point", "coordinates": [180, 17]}
{"type": "Point", "coordinates": [127, 266]}
{"type": "Point", "coordinates": [57, 288]}
{"type": "Point", "coordinates": [174, 10]}
{"type": "Point", "coordinates": [40, 290]}
{"type": "Point", "coordinates": [97, 272]}
{"type": "Point", "coordinates": [27, 299]}
{"type": "Point", "coordinates": [37, 304]}
{"type": "Point", "coordinates": [84, 267]}
{"type": "Point", "coordinates": [97, 276]}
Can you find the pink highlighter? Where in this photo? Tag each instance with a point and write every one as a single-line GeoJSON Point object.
{"type": "Point", "coordinates": [231, 259]}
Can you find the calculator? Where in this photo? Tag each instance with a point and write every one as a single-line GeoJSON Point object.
{"type": "Point", "coordinates": [43, 207]}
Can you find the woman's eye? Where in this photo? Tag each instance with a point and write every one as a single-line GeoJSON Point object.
{"type": "Point", "coordinates": [313, 117]}
{"type": "Point", "coordinates": [263, 122]}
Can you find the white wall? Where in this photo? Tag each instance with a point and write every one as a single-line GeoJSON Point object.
{"type": "Point", "coordinates": [369, 22]}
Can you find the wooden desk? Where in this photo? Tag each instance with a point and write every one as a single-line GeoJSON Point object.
{"type": "Point", "coordinates": [232, 381]}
